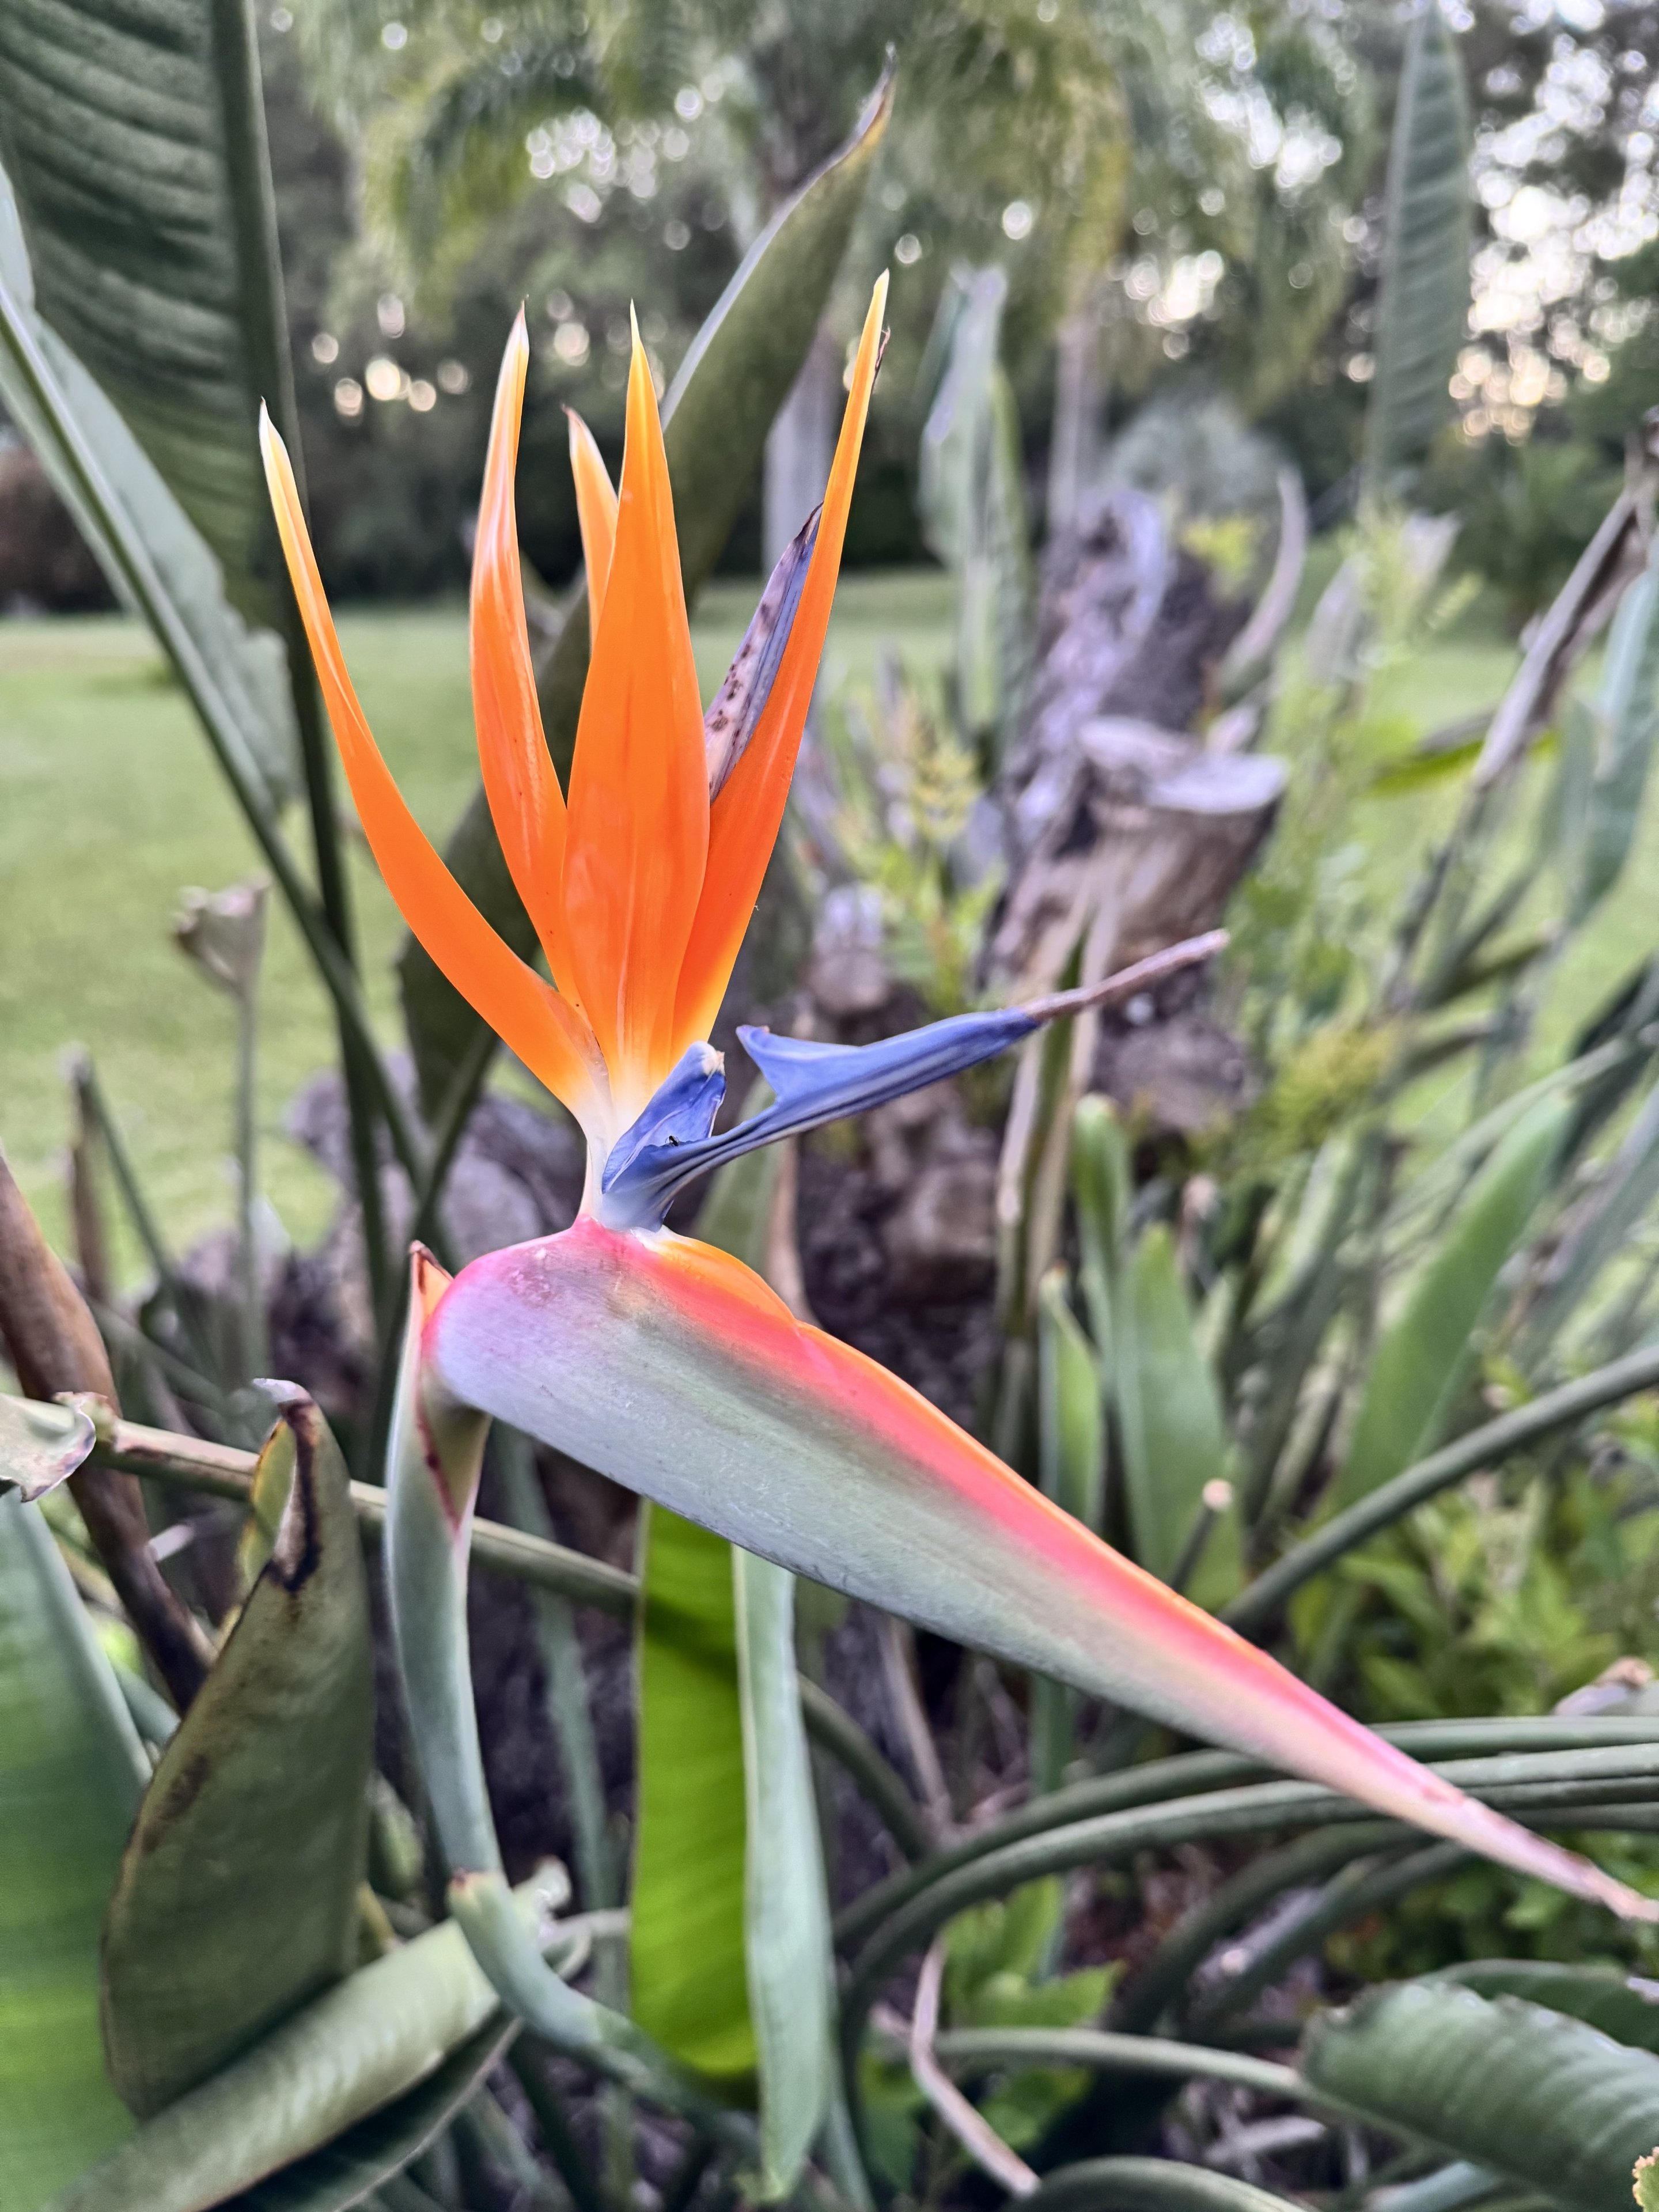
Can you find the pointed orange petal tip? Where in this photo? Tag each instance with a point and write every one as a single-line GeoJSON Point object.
{"type": "Point", "coordinates": [596, 512]}
{"type": "Point", "coordinates": [428, 1281]}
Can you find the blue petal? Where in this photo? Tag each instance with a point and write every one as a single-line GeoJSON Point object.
{"type": "Point", "coordinates": [813, 1084]}
{"type": "Point", "coordinates": [680, 1113]}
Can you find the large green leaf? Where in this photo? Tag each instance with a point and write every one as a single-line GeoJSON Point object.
{"type": "Point", "coordinates": [1540, 2099]}
{"type": "Point", "coordinates": [71, 1773]}
{"type": "Point", "coordinates": [687, 1981]}
{"type": "Point", "coordinates": [1623, 2006]}
{"type": "Point", "coordinates": [371, 2039]}
{"type": "Point", "coordinates": [246, 666]}
{"type": "Point", "coordinates": [1424, 302]}
{"type": "Point", "coordinates": [1425, 1357]}
{"type": "Point", "coordinates": [1170, 1420]}
{"type": "Point", "coordinates": [364, 2156]}
{"type": "Point", "coordinates": [237, 1898]}
{"type": "Point", "coordinates": [973, 511]}
{"type": "Point", "coordinates": [1598, 1230]}
{"type": "Point", "coordinates": [716, 416]}
{"type": "Point", "coordinates": [133, 133]}
{"type": "Point", "coordinates": [1627, 717]}
{"type": "Point", "coordinates": [1071, 1467]}
{"type": "Point", "coordinates": [786, 1900]}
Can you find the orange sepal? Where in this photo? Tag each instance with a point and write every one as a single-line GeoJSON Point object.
{"type": "Point", "coordinates": [596, 511]}
{"type": "Point", "coordinates": [639, 792]}
{"type": "Point", "coordinates": [530, 1019]}
{"type": "Point", "coordinates": [744, 820]}
{"type": "Point", "coordinates": [525, 802]}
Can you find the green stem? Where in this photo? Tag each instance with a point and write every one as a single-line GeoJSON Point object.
{"type": "Point", "coordinates": [96, 1108]}
{"type": "Point", "coordinates": [567, 1684]}
{"type": "Point", "coordinates": [1497, 1440]}
{"type": "Point", "coordinates": [836, 1731]}
{"type": "Point", "coordinates": [1134, 2054]}
{"type": "Point", "coordinates": [557, 2136]}
{"type": "Point", "coordinates": [247, 1252]}
{"type": "Point", "coordinates": [1360, 1889]}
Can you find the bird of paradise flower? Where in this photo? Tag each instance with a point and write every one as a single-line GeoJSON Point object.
{"type": "Point", "coordinates": [668, 1366]}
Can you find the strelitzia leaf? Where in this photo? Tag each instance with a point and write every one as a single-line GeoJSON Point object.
{"type": "Point", "coordinates": [237, 1896]}
{"type": "Point", "coordinates": [1100, 1187]}
{"type": "Point", "coordinates": [1170, 1419]}
{"type": "Point", "coordinates": [1072, 1448]}
{"type": "Point", "coordinates": [159, 270]}
{"type": "Point", "coordinates": [786, 1903]}
{"type": "Point", "coordinates": [377, 2148]}
{"type": "Point", "coordinates": [248, 666]}
{"type": "Point", "coordinates": [1543, 2100]}
{"type": "Point", "coordinates": [735, 376]}
{"type": "Point", "coordinates": [1426, 1355]}
{"type": "Point", "coordinates": [71, 1773]}
{"type": "Point", "coordinates": [672, 1369]}
{"type": "Point", "coordinates": [688, 1983]}
{"type": "Point", "coordinates": [40, 1446]}
{"type": "Point", "coordinates": [1623, 2006]}
{"type": "Point", "coordinates": [373, 2038]}
{"type": "Point", "coordinates": [1149, 2184]}
{"type": "Point", "coordinates": [1423, 304]}
{"type": "Point", "coordinates": [1626, 720]}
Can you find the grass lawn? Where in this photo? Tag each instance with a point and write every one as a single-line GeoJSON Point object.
{"type": "Point", "coordinates": [110, 805]}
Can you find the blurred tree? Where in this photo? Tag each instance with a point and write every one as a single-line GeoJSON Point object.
{"type": "Point", "coordinates": [1159, 183]}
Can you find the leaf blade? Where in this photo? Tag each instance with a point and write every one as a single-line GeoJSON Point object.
{"type": "Point", "coordinates": [71, 1774]}
{"type": "Point", "coordinates": [237, 1896]}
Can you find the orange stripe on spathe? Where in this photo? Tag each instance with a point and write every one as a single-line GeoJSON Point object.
{"type": "Point", "coordinates": [596, 511]}
{"type": "Point", "coordinates": [525, 802]}
{"type": "Point", "coordinates": [639, 790]}
{"type": "Point", "coordinates": [530, 1020]}
{"type": "Point", "coordinates": [1253, 1701]}
{"type": "Point", "coordinates": [744, 820]}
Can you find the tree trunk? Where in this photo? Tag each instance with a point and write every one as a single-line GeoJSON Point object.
{"type": "Point", "coordinates": [1074, 446]}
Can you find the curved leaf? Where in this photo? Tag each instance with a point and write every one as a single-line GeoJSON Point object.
{"type": "Point", "coordinates": [40, 1446]}
{"type": "Point", "coordinates": [1524, 2091]}
{"type": "Point", "coordinates": [71, 1773]}
{"type": "Point", "coordinates": [1149, 2185]}
{"type": "Point", "coordinates": [1425, 1356]}
{"type": "Point", "coordinates": [1623, 2006]}
{"type": "Point", "coordinates": [687, 1981]}
{"type": "Point", "coordinates": [354, 2051]}
{"type": "Point", "coordinates": [133, 134]}
{"type": "Point", "coordinates": [248, 666]}
{"type": "Point", "coordinates": [785, 1902]}
{"type": "Point", "coordinates": [1071, 1467]}
{"type": "Point", "coordinates": [718, 411]}
{"type": "Point", "coordinates": [364, 2156]}
{"type": "Point", "coordinates": [1170, 1420]}
{"type": "Point", "coordinates": [971, 500]}
{"type": "Point", "coordinates": [1626, 720]}
{"type": "Point", "coordinates": [1424, 303]}
{"type": "Point", "coordinates": [237, 1896]}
